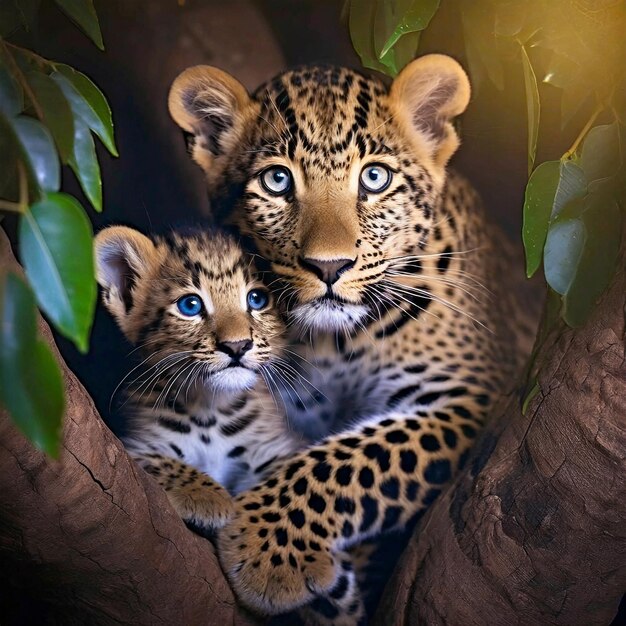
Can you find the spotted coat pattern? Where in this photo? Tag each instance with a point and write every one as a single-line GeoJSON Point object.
{"type": "Point", "coordinates": [410, 345]}
{"type": "Point", "coordinates": [200, 420]}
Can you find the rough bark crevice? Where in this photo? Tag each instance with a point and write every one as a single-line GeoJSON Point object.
{"type": "Point", "coordinates": [91, 538]}
{"type": "Point", "coordinates": [534, 530]}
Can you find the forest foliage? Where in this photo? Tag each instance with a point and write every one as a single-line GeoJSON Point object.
{"type": "Point", "coordinates": [574, 205]}
{"type": "Point", "coordinates": [49, 113]}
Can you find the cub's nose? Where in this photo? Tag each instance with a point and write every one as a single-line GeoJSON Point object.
{"type": "Point", "coordinates": [327, 271]}
{"type": "Point", "coordinates": [235, 349]}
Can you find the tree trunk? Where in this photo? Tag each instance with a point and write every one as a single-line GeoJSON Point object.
{"type": "Point", "coordinates": [91, 539]}
{"type": "Point", "coordinates": [534, 530]}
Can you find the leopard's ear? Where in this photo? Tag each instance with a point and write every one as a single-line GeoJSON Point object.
{"type": "Point", "coordinates": [123, 257]}
{"type": "Point", "coordinates": [211, 107]}
{"type": "Point", "coordinates": [427, 94]}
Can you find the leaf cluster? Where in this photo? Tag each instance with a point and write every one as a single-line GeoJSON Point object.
{"type": "Point", "coordinates": [574, 204]}
{"type": "Point", "coordinates": [386, 33]}
{"type": "Point", "coordinates": [49, 113]}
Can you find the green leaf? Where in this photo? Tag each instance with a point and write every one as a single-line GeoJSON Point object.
{"type": "Point", "coordinates": [535, 389]}
{"type": "Point", "coordinates": [361, 21]}
{"type": "Point", "coordinates": [56, 110]}
{"type": "Point", "coordinates": [603, 224]}
{"type": "Point", "coordinates": [88, 103]}
{"type": "Point", "coordinates": [11, 95]}
{"type": "Point", "coordinates": [601, 156]}
{"type": "Point", "coordinates": [383, 16]}
{"type": "Point", "coordinates": [84, 164]}
{"type": "Point", "coordinates": [83, 13]}
{"type": "Point", "coordinates": [572, 185]}
{"type": "Point", "coordinates": [401, 54]}
{"type": "Point", "coordinates": [382, 23]}
{"type": "Point", "coordinates": [532, 107]}
{"type": "Point", "coordinates": [538, 201]}
{"type": "Point", "coordinates": [38, 148]}
{"type": "Point", "coordinates": [31, 386]}
{"type": "Point", "coordinates": [562, 253]}
{"type": "Point", "coordinates": [12, 151]}
{"type": "Point", "coordinates": [56, 248]}
{"type": "Point", "coordinates": [405, 50]}
{"type": "Point", "coordinates": [410, 17]}
{"type": "Point", "coordinates": [551, 315]}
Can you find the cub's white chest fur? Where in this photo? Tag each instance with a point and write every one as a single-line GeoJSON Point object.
{"type": "Point", "coordinates": [232, 437]}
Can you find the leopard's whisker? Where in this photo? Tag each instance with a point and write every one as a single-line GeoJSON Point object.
{"type": "Point", "coordinates": [298, 377]}
{"type": "Point", "coordinates": [160, 366]}
{"type": "Point", "coordinates": [437, 298]}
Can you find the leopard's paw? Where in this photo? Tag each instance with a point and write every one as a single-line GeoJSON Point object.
{"type": "Point", "coordinates": [207, 507]}
{"type": "Point", "coordinates": [323, 612]}
{"type": "Point", "coordinates": [272, 567]}
{"type": "Point", "coordinates": [340, 606]}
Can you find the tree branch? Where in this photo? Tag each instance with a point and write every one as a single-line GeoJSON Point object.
{"type": "Point", "coordinates": [534, 530]}
{"type": "Point", "coordinates": [91, 538]}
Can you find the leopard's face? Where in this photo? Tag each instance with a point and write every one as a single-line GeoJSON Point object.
{"type": "Point", "coordinates": [335, 178]}
{"type": "Point", "coordinates": [335, 198]}
{"type": "Point", "coordinates": [193, 304]}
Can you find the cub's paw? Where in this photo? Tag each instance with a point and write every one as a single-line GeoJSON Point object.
{"type": "Point", "coordinates": [207, 507]}
{"type": "Point", "coordinates": [272, 566]}
{"type": "Point", "coordinates": [197, 498]}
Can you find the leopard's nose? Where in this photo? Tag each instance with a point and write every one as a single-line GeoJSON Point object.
{"type": "Point", "coordinates": [327, 271]}
{"type": "Point", "coordinates": [235, 349]}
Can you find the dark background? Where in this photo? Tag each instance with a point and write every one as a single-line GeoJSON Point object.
{"type": "Point", "coordinates": [154, 186]}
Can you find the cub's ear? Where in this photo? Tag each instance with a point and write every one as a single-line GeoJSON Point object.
{"type": "Point", "coordinates": [212, 107]}
{"type": "Point", "coordinates": [426, 95]}
{"type": "Point", "coordinates": [123, 256]}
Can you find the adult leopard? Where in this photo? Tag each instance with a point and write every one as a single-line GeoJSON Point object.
{"type": "Point", "coordinates": [402, 292]}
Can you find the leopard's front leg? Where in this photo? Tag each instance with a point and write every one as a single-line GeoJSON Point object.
{"type": "Point", "coordinates": [281, 549]}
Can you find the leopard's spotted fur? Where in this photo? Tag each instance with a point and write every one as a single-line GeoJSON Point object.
{"type": "Point", "coordinates": [411, 340]}
{"type": "Point", "coordinates": [200, 418]}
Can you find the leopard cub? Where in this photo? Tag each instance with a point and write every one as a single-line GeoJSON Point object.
{"type": "Point", "coordinates": [201, 420]}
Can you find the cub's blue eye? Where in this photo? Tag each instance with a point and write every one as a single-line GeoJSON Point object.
{"type": "Point", "coordinates": [190, 305]}
{"type": "Point", "coordinates": [258, 299]}
{"type": "Point", "coordinates": [375, 178]}
{"type": "Point", "coordinates": [276, 180]}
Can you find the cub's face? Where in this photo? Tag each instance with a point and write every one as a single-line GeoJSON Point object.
{"type": "Point", "coordinates": [192, 303]}
{"type": "Point", "coordinates": [336, 179]}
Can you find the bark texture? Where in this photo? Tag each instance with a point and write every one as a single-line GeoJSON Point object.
{"type": "Point", "coordinates": [91, 539]}
{"type": "Point", "coordinates": [534, 531]}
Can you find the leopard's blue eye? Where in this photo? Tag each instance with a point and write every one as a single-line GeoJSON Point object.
{"type": "Point", "coordinates": [375, 178]}
{"type": "Point", "coordinates": [258, 299]}
{"type": "Point", "coordinates": [276, 180]}
{"type": "Point", "coordinates": [190, 305]}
